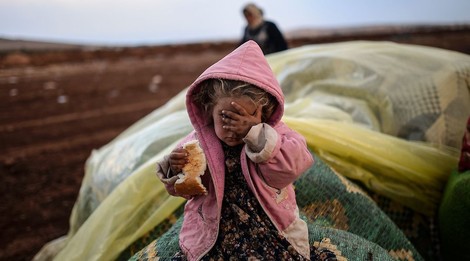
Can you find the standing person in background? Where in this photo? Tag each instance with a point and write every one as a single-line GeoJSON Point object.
{"type": "Point", "coordinates": [264, 33]}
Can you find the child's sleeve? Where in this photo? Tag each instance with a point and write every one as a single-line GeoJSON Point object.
{"type": "Point", "coordinates": [163, 171]}
{"type": "Point", "coordinates": [261, 141]}
{"type": "Point", "coordinates": [281, 153]}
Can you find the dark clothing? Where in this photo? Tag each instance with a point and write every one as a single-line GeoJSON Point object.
{"type": "Point", "coordinates": [246, 232]}
{"type": "Point", "coordinates": [245, 229]}
{"type": "Point", "coordinates": [267, 36]}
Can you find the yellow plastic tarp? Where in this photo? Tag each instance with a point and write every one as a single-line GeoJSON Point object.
{"type": "Point", "coordinates": [412, 173]}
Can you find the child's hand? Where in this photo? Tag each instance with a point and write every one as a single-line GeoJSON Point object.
{"type": "Point", "coordinates": [178, 158]}
{"type": "Point", "coordinates": [240, 122]}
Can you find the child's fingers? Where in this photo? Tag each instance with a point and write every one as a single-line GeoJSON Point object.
{"type": "Point", "coordinates": [178, 158]}
{"type": "Point", "coordinates": [241, 110]}
{"type": "Point", "coordinates": [177, 165]}
{"type": "Point", "coordinates": [228, 116]}
{"type": "Point", "coordinates": [233, 117]}
{"type": "Point", "coordinates": [179, 153]}
{"type": "Point", "coordinates": [179, 150]}
{"type": "Point", "coordinates": [259, 111]}
{"type": "Point", "coordinates": [234, 128]}
{"type": "Point", "coordinates": [178, 161]}
{"type": "Point", "coordinates": [228, 127]}
{"type": "Point", "coordinates": [238, 129]}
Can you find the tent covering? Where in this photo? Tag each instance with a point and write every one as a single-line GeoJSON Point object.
{"type": "Point", "coordinates": [387, 116]}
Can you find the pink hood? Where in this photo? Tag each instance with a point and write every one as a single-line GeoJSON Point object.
{"type": "Point", "coordinates": [247, 63]}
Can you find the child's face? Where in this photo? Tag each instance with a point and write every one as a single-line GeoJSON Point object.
{"type": "Point", "coordinates": [245, 117]}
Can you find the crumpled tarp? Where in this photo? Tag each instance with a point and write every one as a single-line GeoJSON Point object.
{"type": "Point", "coordinates": [389, 116]}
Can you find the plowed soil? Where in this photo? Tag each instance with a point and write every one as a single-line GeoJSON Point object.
{"type": "Point", "coordinates": [52, 117]}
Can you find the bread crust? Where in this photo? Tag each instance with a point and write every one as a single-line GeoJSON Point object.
{"type": "Point", "coordinates": [189, 181]}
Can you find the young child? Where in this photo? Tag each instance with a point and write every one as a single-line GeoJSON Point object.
{"type": "Point", "coordinates": [253, 158]}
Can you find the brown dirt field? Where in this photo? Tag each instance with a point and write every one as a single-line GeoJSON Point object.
{"type": "Point", "coordinates": [46, 141]}
{"type": "Point", "coordinates": [57, 106]}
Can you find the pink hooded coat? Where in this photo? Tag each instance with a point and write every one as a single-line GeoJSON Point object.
{"type": "Point", "coordinates": [272, 159]}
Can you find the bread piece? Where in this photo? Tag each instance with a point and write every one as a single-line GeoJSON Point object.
{"type": "Point", "coordinates": [189, 181]}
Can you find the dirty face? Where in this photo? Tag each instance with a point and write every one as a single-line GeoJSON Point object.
{"type": "Point", "coordinates": [229, 136]}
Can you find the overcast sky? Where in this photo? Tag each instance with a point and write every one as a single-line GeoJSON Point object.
{"type": "Point", "coordinates": [139, 22]}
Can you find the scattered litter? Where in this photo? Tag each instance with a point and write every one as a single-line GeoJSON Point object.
{"type": "Point", "coordinates": [62, 99]}
{"type": "Point", "coordinates": [156, 80]}
{"type": "Point", "coordinates": [12, 80]}
{"type": "Point", "coordinates": [51, 85]}
{"type": "Point", "coordinates": [114, 93]}
{"type": "Point", "coordinates": [13, 92]}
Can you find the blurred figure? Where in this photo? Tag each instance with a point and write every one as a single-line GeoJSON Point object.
{"type": "Point", "coordinates": [264, 33]}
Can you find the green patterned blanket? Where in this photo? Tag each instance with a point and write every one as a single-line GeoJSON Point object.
{"type": "Point", "coordinates": [341, 216]}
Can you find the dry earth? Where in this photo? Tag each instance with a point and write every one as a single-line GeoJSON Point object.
{"type": "Point", "coordinates": [53, 116]}
{"type": "Point", "coordinates": [59, 104]}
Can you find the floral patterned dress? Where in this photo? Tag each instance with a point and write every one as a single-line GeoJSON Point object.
{"type": "Point", "coordinates": [245, 231]}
